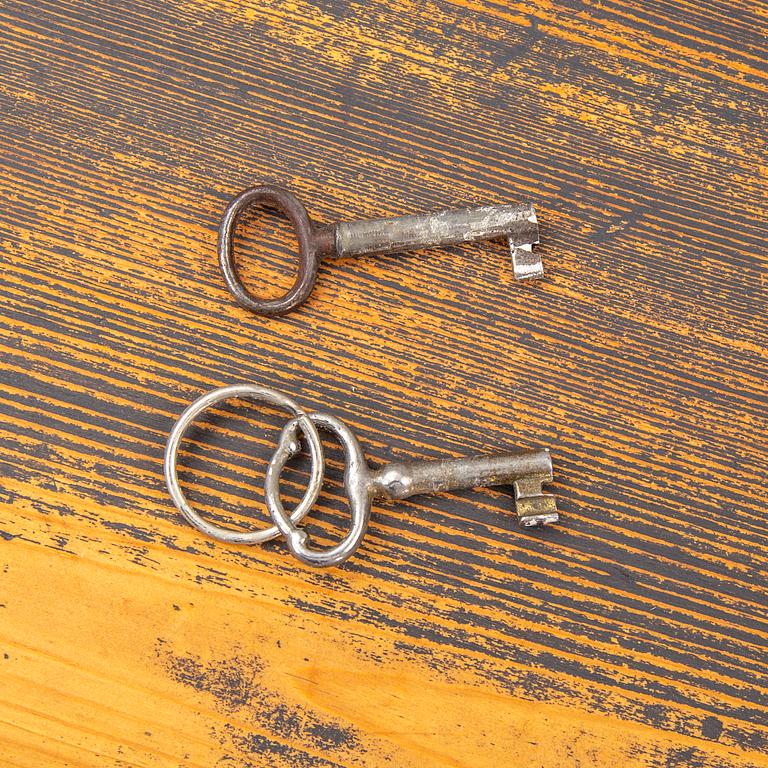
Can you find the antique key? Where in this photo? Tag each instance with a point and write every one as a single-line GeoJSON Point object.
{"type": "Point", "coordinates": [524, 471]}
{"type": "Point", "coordinates": [516, 223]}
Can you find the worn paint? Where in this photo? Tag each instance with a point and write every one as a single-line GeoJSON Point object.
{"type": "Point", "coordinates": [634, 634]}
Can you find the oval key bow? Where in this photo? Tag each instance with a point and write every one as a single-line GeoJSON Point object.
{"type": "Point", "coordinates": [357, 484]}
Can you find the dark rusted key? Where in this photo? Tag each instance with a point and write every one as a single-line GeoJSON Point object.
{"type": "Point", "coordinates": [515, 223]}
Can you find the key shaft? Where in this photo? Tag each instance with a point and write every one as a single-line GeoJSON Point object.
{"type": "Point", "coordinates": [525, 471]}
{"type": "Point", "coordinates": [516, 223]}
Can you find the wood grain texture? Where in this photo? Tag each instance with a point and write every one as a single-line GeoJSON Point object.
{"type": "Point", "coordinates": [635, 633]}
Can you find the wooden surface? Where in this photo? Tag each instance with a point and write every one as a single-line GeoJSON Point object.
{"type": "Point", "coordinates": [633, 634]}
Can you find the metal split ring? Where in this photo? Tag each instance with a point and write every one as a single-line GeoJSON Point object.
{"type": "Point", "coordinates": [257, 394]}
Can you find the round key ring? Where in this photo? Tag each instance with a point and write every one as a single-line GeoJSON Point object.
{"type": "Point", "coordinates": [257, 394]}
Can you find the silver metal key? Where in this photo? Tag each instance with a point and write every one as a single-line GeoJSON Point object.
{"type": "Point", "coordinates": [516, 224]}
{"type": "Point", "coordinates": [525, 471]}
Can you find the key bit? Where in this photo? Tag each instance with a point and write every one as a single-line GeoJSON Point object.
{"type": "Point", "coordinates": [517, 224]}
{"type": "Point", "coordinates": [534, 507]}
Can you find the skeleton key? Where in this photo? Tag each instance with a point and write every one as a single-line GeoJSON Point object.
{"type": "Point", "coordinates": [516, 223]}
{"type": "Point", "coordinates": [525, 471]}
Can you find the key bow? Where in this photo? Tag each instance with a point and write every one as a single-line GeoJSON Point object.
{"type": "Point", "coordinates": [357, 484]}
{"type": "Point", "coordinates": [313, 240]}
